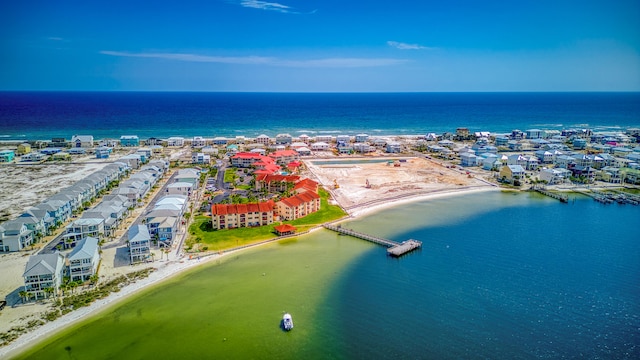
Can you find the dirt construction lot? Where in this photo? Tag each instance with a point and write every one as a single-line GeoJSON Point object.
{"type": "Point", "coordinates": [388, 180]}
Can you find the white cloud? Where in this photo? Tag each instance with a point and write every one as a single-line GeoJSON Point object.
{"type": "Point", "coordinates": [194, 58]}
{"type": "Point", "coordinates": [405, 46]}
{"type": "Point", "coordinates": [341, 62]}
{"type": "Point", "coordinates": [263, 5]}
{"type": "Point", "coordinates": [260, 60]}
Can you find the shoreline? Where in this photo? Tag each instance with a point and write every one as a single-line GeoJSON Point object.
{"type": "Point", "coordinates": [172, 268]}
{"type": "Point", "coordinates": [162, 272]}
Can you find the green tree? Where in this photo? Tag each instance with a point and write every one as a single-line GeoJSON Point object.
{"type": "Point", "coordinates": [49, 291]}
{"type": "Point", "coordinates": [23, 295]}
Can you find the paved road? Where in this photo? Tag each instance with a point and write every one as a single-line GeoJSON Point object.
{"type": "Point", "coordinates": [123, 239]}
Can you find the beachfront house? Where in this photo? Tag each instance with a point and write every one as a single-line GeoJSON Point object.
{"type": "Point", "coordinates": [175, 141]}
{"type": "Point", "coordinates": [554, 176]}
{"type": "Point", "coordinates": [84, 259]}
{"type": "Point", "coordinates": [283, 139]}
{"type": "Point", "coordinates": [198, 141]}
{"type": "Point", "coordinates": [43, 275]}
{"type": "Point", "coordinates": [262, 139]}
{"type": "Point", "coordinates": [7, 156]}
{"type": "Point", "coordinates": [23, 149]}
{"type": "Point", "coordinates": [610, 174]}
{"type": "Point", "coordinates": [82, 141]}
{"type": "Point", "coordinates": [129, 140]}
{"type": "Point", "coordinates": [512, 173]}
{"type": "Point", "coordinates": [139, 243]}
{"type": "Point", "coordinates": [535, 134]}
{"type": "Point", "coordinates": [360, 138]}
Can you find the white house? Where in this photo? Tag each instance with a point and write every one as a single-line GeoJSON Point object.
{"type": "Point", "coordinates": [42, 272]}
{"type": "Point", "coordinates": [468, 159]}
{"type": "Point", "coordinates": [263, 139]}
{"type": "Point", "coordinates": [175, 141]}
{"type": "Point", "coordinates": [283, 139]}
{"type": "Point", "coordinates": [180, 188]}
{"type": "Point", "coordinates": [139, 243]}
{"type": "Point", "coordinates": [320, 146]}
{"type": "Point", "coordinates": [84, 259]}
{"type": "Point", "coordinates": [198, 141]}
{"type": "Point", "coordinates": [554, 176]}
{"type": "Point", "coordinates": [360, 138]}
{"type": "Point", "coordinates": [82, 141]}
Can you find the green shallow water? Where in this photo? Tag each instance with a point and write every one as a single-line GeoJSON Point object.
{"type": "Point", "coordinates": [229, 309]}
{"type": "Point", "coordinates": [500, 275]}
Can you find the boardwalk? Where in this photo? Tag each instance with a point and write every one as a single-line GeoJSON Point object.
{"type": "Point", "coordinates": [395, 248]}
{"type": "Point", "coordinates": [562, 197]}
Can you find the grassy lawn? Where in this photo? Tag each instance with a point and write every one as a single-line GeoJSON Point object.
{"type": "Point", "coordinates": [201, 233]}
{"type": "Point", "coordinates": [230, 175]}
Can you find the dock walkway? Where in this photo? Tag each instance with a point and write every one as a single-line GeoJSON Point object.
{"type": "Point", "coordinates": [394, 248]}
{"type": "Point", "coordinates": [562, 197]}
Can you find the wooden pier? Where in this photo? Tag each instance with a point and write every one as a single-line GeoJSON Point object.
{"type": "Point", "coordinates": [394, 248]}
{"type": "Point", "coordinates": [562, 197]}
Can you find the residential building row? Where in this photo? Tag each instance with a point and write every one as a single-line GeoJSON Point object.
{"type": "Point", "coordinates": [44, 273]}
{"type": "Point", "coordinates": [105, 218]}
{"type": "Point", "coordinates": [100, 221]}
{"type": "Point", "coordinates": [556, 162]}
{"type": "Point", "coordinates": [162, 221]}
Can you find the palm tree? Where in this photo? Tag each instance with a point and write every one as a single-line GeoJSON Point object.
{"type": "Point", "coordinates": [48, 291]}
{"type": "Point", "coordinates": [73, 285]}
{"type": "Point", "coordinates": [23, 295]}
{"type": "Point", "coordinates": [94, 279]}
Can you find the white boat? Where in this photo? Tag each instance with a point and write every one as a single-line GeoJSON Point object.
{"type": "Point", "coordinates": [287, 322]}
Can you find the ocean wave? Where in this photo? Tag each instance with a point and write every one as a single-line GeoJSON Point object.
{"type": "Point", "coordinates": [306, 131]}
{"type": "Point", "coordinates": [330, 131]}
{"type": "Point", "coordinates": [548, 125]}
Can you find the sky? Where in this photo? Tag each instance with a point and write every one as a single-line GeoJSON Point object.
{"type": "Point", "coordinates": [320, 45]}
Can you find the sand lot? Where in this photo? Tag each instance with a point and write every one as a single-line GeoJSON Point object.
{"type": "Point", "coordinates": [24, 186]}
{"type": "Point", "coordinates": [387, 182]}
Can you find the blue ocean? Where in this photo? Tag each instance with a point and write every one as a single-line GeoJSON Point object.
{"type": "Point", "coordinates": [44, 115]}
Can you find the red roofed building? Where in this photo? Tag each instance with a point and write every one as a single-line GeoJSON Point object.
{"type": "Point", "coordinates": [305, 185]}
{"type": "Point", "coordinates": [246, 159]}
{"type": "Point", "coordinates": [284, 157]}
{"type": "Point", "coordinates": [294, 167]}
{"type": "Point", "coordinates": [285, 229]}
{"type": "Point", "coordinates": [274, 183]}
{"type": "Point", "coordinates": [229, 216]}
{"type": "Point", "coordinates": [298, 206]}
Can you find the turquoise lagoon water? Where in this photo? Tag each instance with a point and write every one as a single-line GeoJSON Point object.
{"type": "Point", "coordinates": [500, 275]}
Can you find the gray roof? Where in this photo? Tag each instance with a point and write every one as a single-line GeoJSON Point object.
{"type": "Point", "coordinates": [139, 233]}
{"type": "Point", "coordinates": [85, 248]}
{"type": "Point", "coordinates": [44, 264]}
{"type": "Point", "coordinates": [12, 226]}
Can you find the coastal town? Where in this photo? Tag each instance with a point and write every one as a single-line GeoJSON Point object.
{"type": "Point", "coordinates": [79, 212]}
